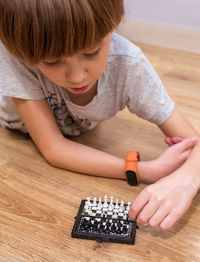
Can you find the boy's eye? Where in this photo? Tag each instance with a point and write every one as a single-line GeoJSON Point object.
{"type": "Point", "coordinates": [56, 61]}
{"type": "Point", "coordinates": [92, 54]}
{"type": "Point", "coordinates": [51, 62]}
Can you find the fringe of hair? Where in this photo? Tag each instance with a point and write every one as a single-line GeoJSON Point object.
{"type": "Point", "coordinates": [33, 30]}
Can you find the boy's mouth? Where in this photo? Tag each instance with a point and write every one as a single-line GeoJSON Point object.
{"type": "Point", "coordinates": [80, 89]}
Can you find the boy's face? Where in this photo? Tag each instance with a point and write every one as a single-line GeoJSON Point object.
{"type": "Point", "coordinates": [79, 73]}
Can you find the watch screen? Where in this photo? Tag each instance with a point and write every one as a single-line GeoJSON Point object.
{"type": "Point", "coordinates": [132, 178]}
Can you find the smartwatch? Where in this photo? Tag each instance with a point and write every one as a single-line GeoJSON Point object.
{"type": "Point", "coordinates": [131, 168]}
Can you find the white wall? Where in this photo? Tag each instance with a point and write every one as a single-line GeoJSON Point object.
{"type": "Point", "coordinates": [183, 13]}
{"type": "Point", "coordinates": [170, 23]}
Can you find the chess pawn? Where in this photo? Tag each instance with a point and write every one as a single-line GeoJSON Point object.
{"type": "Point", "coordinates": [99, 206]}
{"type": "Point", "coordinates": [103, 217]}
{"type": "Point", "coordinates": [129, 206]}
{"type": "Point", "coordinates": [116, 204]}
{"type": "Point", "coordinates": [121, 207]}
{"type": "Point", "coordinates": [90, 213]}
{"type": "Point", "coordinates": [94, 202]}
{"type": "Point", "coordinates": [87, 210]}
{"type": "Point", "coordinates": [105, 201]}
{"type": "Point", "coordinates": [115, 216]}
{"type": "Point", "coordinates": [88, 203]}
{"type": "Point", "coordinates": [125, 217]}
{"type": "Point", "coordinates": [111, 205]}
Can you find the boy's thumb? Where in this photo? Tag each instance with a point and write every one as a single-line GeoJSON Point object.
{"type": "Point", "coordinates": [188, 143]}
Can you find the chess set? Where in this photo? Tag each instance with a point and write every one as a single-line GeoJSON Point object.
{"type": "Point", "coordinates": [104, 221]}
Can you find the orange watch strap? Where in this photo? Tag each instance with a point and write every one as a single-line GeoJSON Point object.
{"type": "Point", "coordinates": [131, 163]}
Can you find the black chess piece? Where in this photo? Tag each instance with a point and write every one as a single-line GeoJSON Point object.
{"type": "Point", "coordinates": [124, 230]}
{"type": "Point", "coordinates": [101, 229]}
{"type": "Point", "coordinates": [113, 228]}
{"type": "Point", "coordinates": [107, 230]}
{"type": "Point", "coordinates": [118, 230]}
{"type": "Point", "coordinates": [108, 224]}
{"type": "Point", "coordinates": [103, 219]}
{"type": "Point", "coordinates": [119, 224]}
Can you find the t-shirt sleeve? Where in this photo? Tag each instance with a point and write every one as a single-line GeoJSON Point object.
{"type": "Point", "coordinates": [147, 97]}
{"type": "Point", "coordinates": [16, 80]}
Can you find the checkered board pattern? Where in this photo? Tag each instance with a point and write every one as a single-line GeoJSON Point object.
{"type": "Point", "coordinates": [104, 224]}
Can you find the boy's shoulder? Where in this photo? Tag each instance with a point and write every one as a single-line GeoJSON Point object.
{"type": "Point", "coordinates": [122, 47]}
{"type": "Point", "coordinates": [4, 54]}
{"type": "Point", "coordinates": [16, 80]}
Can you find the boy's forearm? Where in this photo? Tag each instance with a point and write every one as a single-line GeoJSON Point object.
{"type": "Point", "coordinates": [177, 125]}
{"type": "Point", "coordinates": [192, 166]}
{"type": "Point", "coordinates": [76, 157]}
{"type": "Point", "coordinates": [79, 158]}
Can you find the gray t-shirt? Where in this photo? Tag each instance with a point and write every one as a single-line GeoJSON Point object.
{"type": "Point", "coordinates": [128, 80]}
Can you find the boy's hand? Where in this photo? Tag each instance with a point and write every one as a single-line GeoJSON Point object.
{"type": "Point", "coordinates": [164, 202]}
{"type": "Point", "coordinates": [174, 156]}
{"type": "Point", "coordinates": [170, 141]}
{"type": "Point", "coordinates": [169, 161]}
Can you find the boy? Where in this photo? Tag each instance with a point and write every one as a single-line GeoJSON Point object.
{"type": "Point", "coordinates": [63, 71]}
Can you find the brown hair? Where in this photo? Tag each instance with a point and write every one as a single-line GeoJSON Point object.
{"type": "Point", "coordinates": [33, 30]}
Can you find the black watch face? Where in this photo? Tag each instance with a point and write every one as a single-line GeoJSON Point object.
{"type": "Point", "coordinates": [131, 178]}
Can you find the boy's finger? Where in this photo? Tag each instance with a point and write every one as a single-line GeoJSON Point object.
{"type": "Point", "coordinates": [146, 213]}
{"type": "Point", "coordinates": [170, 220]}
{"type": "Point", "coordinates": [168, 141]}
{"type": "Point", "coordinates": [176, 140]}
{"type": "Point", "coordinates": [159, 216]}
{"type": "Point", "coordinates": [186, 154]}
{"type": "Point", "coordinates": [187, 143]}
{"type": "Point", "coordinates": [138, 205]}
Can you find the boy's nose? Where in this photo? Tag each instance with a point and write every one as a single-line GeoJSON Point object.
{"type": "Point", "coordinates": [76, 74]}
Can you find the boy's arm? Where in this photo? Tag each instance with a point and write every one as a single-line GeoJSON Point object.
{"type": "Point", "coordinates": [63, 153]}
{"type": "Point", "coordinates": [164, 202]}
{"type": "Point", "coordinates": [178, 126]}
{"type": "Point", "coordinates": [60, 151]}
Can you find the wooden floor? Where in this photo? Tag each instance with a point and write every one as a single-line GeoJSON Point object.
{"type": "Point", "coordinates": [38, 202]}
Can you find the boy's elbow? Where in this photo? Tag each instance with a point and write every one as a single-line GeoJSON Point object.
{"type": "Point", "coordinates": [51, 160]}
{"type": "Point", "coordinates": [50, 155]}
{"type": "Point", "coordinates": [55, 152]}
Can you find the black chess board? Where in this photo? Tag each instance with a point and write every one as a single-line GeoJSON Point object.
{"type": "Point", "coordinates": [103, 224]}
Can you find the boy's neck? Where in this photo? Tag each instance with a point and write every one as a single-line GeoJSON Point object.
{"type": "Point", "coordinates": [84, 98]}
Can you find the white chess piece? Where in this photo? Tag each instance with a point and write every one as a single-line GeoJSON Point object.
{"type": "Point", "coordinates": [111, 206]}
{"type": "Point", "coordinates": [90, 213]}
{"type": "Point", "coordinates": [117, 205]}
{"type": "Point", "coordinates": [87, 210]}
{"type": "Point", "coordinates": [125, 217]}
{"type": "Point", "coordinates": [105, 201]}
{"type": "Point", "coordinates": [94, 202]}
{"type": "Point", "coordinates": [88, 203]}
{"type": "Point", "coordinates": [129, 206]}
{"type": "Point", "coordinates": [111, 200]}
{"type": "Point", "coordinates": [115, 216]}
{"type": "Point", "coordinates": [99, 206]}
{"type": "Point", "coordinates": [121, 207]}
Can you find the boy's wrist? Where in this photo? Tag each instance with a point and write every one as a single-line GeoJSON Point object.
{"type": "Point", "coordinates": [198, 182]}
{"type": "Point", "coordinates": [195, 178]}
{"type": "Point", "coordinates": [146, 171]}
